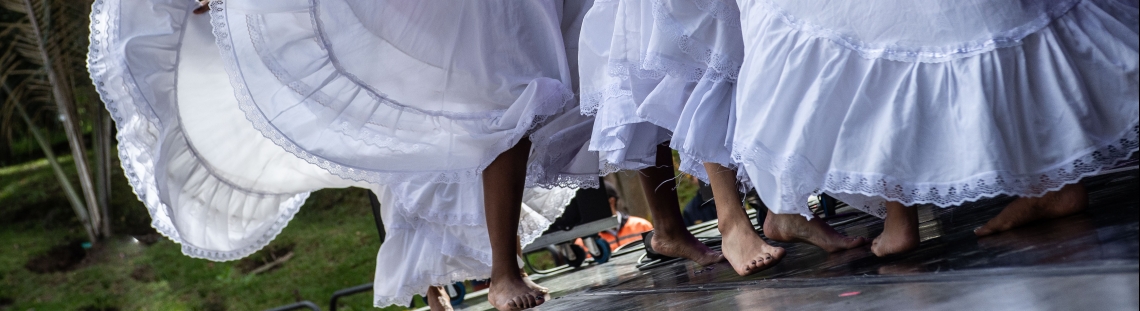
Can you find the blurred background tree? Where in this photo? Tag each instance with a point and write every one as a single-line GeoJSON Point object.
{"type": "Point", "coordinates": [49, 104]}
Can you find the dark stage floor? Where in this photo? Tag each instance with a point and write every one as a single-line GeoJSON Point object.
{"type": "Point", "coordinates": [1087, 261]}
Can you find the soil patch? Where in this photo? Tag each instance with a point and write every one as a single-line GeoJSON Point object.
{"type": "Point", "coordinates": [213, 302]}
{"type": "Point", "coordinates": [143, 273]}
{"type": "Point", "coordinates": [268, 259]}
{"type": "Point", "coordinates": [58, 259]}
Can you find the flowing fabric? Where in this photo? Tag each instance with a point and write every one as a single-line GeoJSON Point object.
{"type": "Point", "coordinates": [657, 71]}
{"type": "Point", "coordinates": [383, 91]}
{"type": "Point", "coordinates": [938, 102]}
{"type": "Point", "coordinates": [217, 185]}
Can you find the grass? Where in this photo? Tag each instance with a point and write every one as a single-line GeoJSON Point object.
{"type": "Point", "coordinates": [333, 238]}
{"type": "Point", "coordinates": [686, 184]}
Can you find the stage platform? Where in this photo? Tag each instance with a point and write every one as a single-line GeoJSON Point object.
{"type": "Point", "coordinates": [1086, 261]}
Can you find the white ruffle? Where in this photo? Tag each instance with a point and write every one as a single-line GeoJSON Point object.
{"type": "Point", "coordinates": [331, 59]}
{"type": "Point", "coordinates": [657, 71]}
{"type": "Point", "coordinates": [437, 235]}
{"type": "Point", "coordinates": [215, 185]}
{"type": "Point", "coordinates": [919, 32]}
{"type": "Point", "coordinates": [1022, 120]}
{"type": "Point", "coordinates": [190, 180]}
{"type": "Point", "coordinates": [691, 39]}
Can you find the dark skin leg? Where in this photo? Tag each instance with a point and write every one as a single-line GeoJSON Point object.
{"type": "Point", "coordinates": [438, 300]}
{"type": "Point", "coordinates": [744, 249]}
{"type": "Point", "coordinates": [670, 237]}
{"type": "Point", "coordinates": [1071, 199]}
{"type": "Point", "coordinates": [900, 231]}
{"type": "Point", "coordinates": [503, 182]}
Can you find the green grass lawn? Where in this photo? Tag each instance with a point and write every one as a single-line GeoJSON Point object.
{"type": "Point", "coordinates": [333, 240]}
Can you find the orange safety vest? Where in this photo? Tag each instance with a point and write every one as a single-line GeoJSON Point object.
{"type": "Point", "coordinates": [629, 233]}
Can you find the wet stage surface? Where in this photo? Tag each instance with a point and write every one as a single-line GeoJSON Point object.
{"type": "Point", "coordinates": [1090, 260]}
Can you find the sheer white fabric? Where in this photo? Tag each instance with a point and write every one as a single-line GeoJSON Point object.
{"type": "Point", "coordinates": [380, 91]}
{"type": "Point", "coordinates": [939, 103]}
{"type": "Point", "coordinates": [661, 70]}
{"type": "Point", "coordinates": [920, 31]}
{"type": "Point", "coordinates": [214, 184]}
{"type": "Point", "coordinates": [423, 248]}
{"type": "Point", "coordinates": [211, 182]}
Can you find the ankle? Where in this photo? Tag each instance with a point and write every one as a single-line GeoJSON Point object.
{"type": "Point", "coordinates": [901, 228]}
{"type": "Point", "coordinates": [510, 275]}
{"type": "Point", "coordinates": [730, 227]}
{"type": "Point", "coordinates": [668, 233]}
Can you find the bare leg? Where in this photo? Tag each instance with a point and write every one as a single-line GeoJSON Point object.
{"type": "Point", "coordinates": [900, 231]}
{"type": "Point", "coordinates": [744, 249]}
{"type": "Point", "coordinates": [502, 197]}
{"type": "Point", "coordinates": [438, 299]}
{"type": "Point", "coordinates": [1067, 201]}
{"type": "Point", "coordinates": [670, 237]}
{"type": "Point", "coordinates": [796, 228]}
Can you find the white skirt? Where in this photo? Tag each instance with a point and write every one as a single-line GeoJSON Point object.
{"type": "Point", "coordinates": [932, 103]}
{"type": "Point", "coordinates": [661, 70]}
{"type": "Point", "coordinates": [383, 91]}
{"type": "Point", "coordinates": [215, 184]}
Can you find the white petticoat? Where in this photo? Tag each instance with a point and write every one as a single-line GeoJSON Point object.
{"type": "Point", "coordinates": [939, 103]}
{"type": "Point", "coordinates": [382, 91]}
{"type": "Point", "coordinates": [214, 184]}
{"type": "Point", "coordinates": [661, 70]}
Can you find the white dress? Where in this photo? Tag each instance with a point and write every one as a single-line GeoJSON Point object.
{"type": "Point", "coordinates": [661, 70]}
{"type": "Point", "coordinates": [224, 187]}
{"type": "Point", "coordinates": [938, 102]}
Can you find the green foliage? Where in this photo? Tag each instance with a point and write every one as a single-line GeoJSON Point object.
{"type": "Point", "coordinates": [333, 238]}
{"type": "Point", "coordinates": [686, 184]}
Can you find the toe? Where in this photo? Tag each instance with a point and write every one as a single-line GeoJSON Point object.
{"type": "Point", "coordinates": [528, 301]}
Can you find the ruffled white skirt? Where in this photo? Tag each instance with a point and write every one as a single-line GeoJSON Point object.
{"type": "Point", "coordinates": [382, 91]}
{"type": "Point", "coordinates": [939, 103]}
{"type": "Point", "coordinates": [661, 70]}
{"type": "Point", "coordinates": [215, 184]}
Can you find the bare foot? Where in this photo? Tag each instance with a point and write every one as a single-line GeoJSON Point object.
{"type": "Point", "coordinates": [1067, 201]}
{"type": "Point", "coordinates": [796, 228]}
{"type": "Point", "coordinates": [684, 245]}
{"type": "Point", "coordinates": [530, 283]}
{"type": "Point", "coordinates": [511, 294]}
{"type": "Point", "coordinates": [900, 231]}
{"type": "Point", "coordinates": [438, 299]}
{"type": "Point", "coordinates": [747, 252]}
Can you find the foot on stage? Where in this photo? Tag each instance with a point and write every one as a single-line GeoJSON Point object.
{"type": "Point", "coordinates": [512, 294]}
{"type": "Point", "coordinates": [797, 229]}
{"type": "Point", "coordinates": [1067, 201]}
{"type": "Point", "coordinates": [747, 252]}
{"type": "Point", "coordinates": [900, 231]}
{"type": "Point", "coordinates": [684, 245]}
